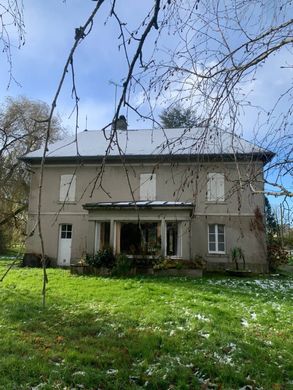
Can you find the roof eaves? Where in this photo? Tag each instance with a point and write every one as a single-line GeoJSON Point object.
{"type": "Point", "coordinates": [265, 156]}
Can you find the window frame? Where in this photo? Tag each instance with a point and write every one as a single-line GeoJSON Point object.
{"type": "Point", "coordinates": [217, 251]}
{"type": "Point", "coordinates": [65, 231]}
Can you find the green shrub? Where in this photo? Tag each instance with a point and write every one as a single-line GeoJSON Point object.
{"type": "Point", "coordinates": [103, 258]}
{"type": "Point", "coordinates": [276, 254]}
{"type": "Point", "coordinates": [123, 265]}
{"type": "Point", "coordinates": [166, 263]}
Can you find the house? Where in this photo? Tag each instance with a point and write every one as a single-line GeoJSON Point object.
{"type": "Point", "coordinates": [179, 193]}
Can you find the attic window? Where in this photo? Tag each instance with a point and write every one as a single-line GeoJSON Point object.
{"type": "Point", "coordinates": [67, 188]}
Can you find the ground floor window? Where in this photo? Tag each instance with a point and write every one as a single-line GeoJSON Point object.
{"type": "Point", "coordinates": [102, 235]}
{"type": "Point", "coordinates": [216, 237]}
{"type": "Point", "coordinates": [173, 247]}
{"type": "Point", "coordinates": [138, 239]}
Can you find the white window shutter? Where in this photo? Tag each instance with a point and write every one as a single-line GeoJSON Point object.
{"type": "Point", "coordinates": [148, 186]}
{"type": "Point", "coordinates": [67, 188]}
{"type": "Point", "coordinates": [212, 189]}
{"type": "Point", "coordinates": [215, 187]}
{"type": "Point", "coordinates": [220, 187]}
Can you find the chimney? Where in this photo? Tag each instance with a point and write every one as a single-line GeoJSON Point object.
{"type": "Point", "coordinates": [121, 123]}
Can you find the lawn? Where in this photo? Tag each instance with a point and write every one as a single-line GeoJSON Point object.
{"type": "Point", "coordinates": [144, 332]}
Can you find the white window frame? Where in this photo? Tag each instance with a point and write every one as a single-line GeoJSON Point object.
{"type": "Point", "coordinates": [147, 188]}
{"type": "Point", "coordinates": [215, 187]}
{"type": "Point", "coordinates": [67, 188]}
{"type": "Point", "coordinates": [217, 251]}
{"type": "Point", "coordinates": [179, 240]}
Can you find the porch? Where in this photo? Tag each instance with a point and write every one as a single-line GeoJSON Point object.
{"type": "Point", "coordinates": [140, 229]}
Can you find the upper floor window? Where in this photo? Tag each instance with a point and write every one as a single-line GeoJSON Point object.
{"type": "Point", "coordinates": [67, 188]}
{"type": "Point", "coordinates": [216, 187]}
{"type": "Point", "coordinates": [216, 238]}
{"type": "Point", "coordinates": [148, 186]}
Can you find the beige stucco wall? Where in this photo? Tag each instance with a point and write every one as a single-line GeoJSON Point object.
{"type": "Point", "coordinates": [180, 182]}
{"type": "Point", "coordinates": [176, 182]}
{"type": "Point", "coordinates": [240, 231]}
{"type": "Point", "coordinates": [50, 230]}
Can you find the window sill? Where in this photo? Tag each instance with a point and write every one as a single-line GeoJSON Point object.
{"type": "Point", "coordinates": [213, 254]}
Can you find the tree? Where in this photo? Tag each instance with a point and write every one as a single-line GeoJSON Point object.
{"type": "Point", "coordinates": [178, 116]}
{"type": "Point", "coordinates": [275, 246]}
{"type": "Point", "coordinates": [22, 129]}
{"type": "Point", "coordinates": [272, 226]}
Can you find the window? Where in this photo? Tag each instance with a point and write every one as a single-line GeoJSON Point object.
{"type": "Point", "coordinates": [148, 186]}
{"type": "Point", "coordinates": [173, 242]}
{"type": "Point", "coordinates": [66, 231]}
{"type": "Point", "coordinates": [67, 188]}
{"type": "Point", "coordinates": [102, 236]}
{"type": "Point", "coordinates": [140, 239]}
{"type": "Point", "coordinates": [216, 238]}
{"type": "Point", "coordinates": [215, 187]}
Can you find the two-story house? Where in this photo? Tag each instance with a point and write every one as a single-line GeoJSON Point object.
{"type": "Point", "coordinates": [179, 193]}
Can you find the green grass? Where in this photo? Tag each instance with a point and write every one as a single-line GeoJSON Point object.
{"type": "Point", "coordinates": [148, 333]}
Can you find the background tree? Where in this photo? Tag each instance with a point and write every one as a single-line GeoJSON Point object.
{"type": "Point", "coordinates": [275, 245]}
{"type": "Point", "coordinates": [272, 226]}
{"type": "Point", "coordinates": [22, 129]}
{"type": "Point", "coordinates": [177, 117]}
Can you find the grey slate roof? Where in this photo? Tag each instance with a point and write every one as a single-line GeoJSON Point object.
{"type": "Point", "coordinates": [156, 142]}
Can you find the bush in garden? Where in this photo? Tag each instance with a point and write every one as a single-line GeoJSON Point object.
{"type": "Point", "coordinates": [123, 265]}
{"type": "Point", "coordinates": [276, 254]}
{"type": "Point", "coordinates": [103, 258]}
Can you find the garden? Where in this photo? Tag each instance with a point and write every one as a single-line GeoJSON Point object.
{"type": "Point", "coordinates": [145, 332]}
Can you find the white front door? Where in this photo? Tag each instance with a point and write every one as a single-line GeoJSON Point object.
{"type": "Point", "coordinates": [64, 248]}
